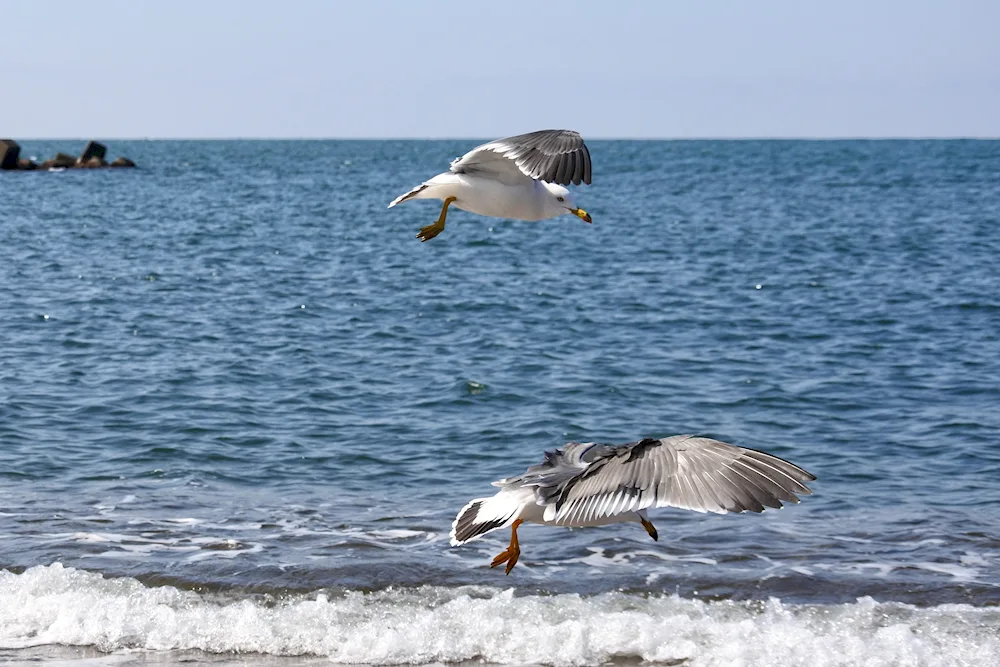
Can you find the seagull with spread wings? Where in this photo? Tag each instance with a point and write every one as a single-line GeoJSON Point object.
{"type": "Point", "coordinates": [590, 484]}
{"type": "Point", "coordinates": [518, 177]}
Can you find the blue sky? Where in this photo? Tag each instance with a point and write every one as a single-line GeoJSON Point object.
{"type": "Point", "coordinates": [299, 68]}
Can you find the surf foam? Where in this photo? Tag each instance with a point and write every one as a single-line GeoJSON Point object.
{"type": "Point", "coordinates": [64, 606]}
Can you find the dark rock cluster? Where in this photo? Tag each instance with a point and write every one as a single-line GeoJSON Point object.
{"type": "Point", "coordinates": [92, 157]}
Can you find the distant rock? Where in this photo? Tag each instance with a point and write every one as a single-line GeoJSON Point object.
{"type": "Point", "coordinates": [91, 163]}
{"type": "Point", "coordinates": [91, 150]}
{"type": "Point", "coordinates": [9, 152]}
{"type": "Point", "coordinates": [60, 160]}
{"type": "Point", "coordinates": [92, 157]}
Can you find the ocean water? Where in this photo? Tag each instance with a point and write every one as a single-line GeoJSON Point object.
{"type": "Point", "coordinates": [240, 405]}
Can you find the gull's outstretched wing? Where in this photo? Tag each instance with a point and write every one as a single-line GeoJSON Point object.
{"type": "Point", "coordinates": [581, 483]}
{"type": "Point", "coordinates": [554, 156]}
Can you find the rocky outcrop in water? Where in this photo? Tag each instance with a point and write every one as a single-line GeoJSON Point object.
{"type": "Point", "coordinates": [90, 163]}
{"type": "Point", "coordinates": [9, 153]}
{"type": "Point", "coordinates": [92, 157]}
{"type": "Point", "coordinates": [92, 150]}
{"type": "Point", "coordinates": [60, 161]}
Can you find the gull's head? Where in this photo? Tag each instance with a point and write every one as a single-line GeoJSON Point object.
{"type": "Point", "coordinates": [561, 201]}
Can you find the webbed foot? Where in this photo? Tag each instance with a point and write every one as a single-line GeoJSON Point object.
{"type": "Point", "coordinates": [430, 231]}
{"type": "Point", "coordinates": [512, 552]}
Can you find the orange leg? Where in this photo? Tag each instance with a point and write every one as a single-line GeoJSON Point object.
{"type": "Point", "coordinates": [513, 552]}
{"type": "Point", "coordinates": [430, 231]}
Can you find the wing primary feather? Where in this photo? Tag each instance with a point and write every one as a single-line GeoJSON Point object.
{"type": "Point", "coordinates": [774, 493]}
{"type": "Point", "coordinates": [577, 168]}
{"type": "Point", "coordinates": [683, 493]}
{"type": "Point", "coordinates": [570, 162]}
{"type": "Point", "coordinates": [729, 490]}
{"type": "Point", "coordinates": [710, 491]}
{"type": "Point", "coordinates": [611, 505]}
{"type": "Point", "coordinates": [773, 463]}
{"type": "Point", "coordinates": [698, 465]}
{"type": "Point", "coordinates": [558, 170]}
{"type": "Point", "coordinates": [755, 494]}
{"type": "Point", "coordinates": [607, 502]}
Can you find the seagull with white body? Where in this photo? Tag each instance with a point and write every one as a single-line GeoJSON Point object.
{"type": "Point", "coordinates": [590, 484]}
{"type": "Point", "coordinates": [518, 177]}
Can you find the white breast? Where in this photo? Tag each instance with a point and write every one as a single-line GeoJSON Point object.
{"type": "Point", "coordinates": [486, 196]}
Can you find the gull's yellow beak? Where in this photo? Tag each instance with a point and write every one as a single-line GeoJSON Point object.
{"type": "Point", "coordinates": [580, 213]}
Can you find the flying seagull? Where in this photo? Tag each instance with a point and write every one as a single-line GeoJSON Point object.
{"type": "Point", "coordinates": [518, 177]}
{"type": "Point", "coordinates": [590, 484]}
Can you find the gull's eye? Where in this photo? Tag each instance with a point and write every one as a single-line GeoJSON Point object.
{"type": "Point", "coordinates": [560, 199]}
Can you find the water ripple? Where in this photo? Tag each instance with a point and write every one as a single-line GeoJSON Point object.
{"type": "Point", "coordinates": [294, 393]}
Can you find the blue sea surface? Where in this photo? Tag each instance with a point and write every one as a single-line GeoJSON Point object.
{"type": "Point", "coordinates": [232, 381]}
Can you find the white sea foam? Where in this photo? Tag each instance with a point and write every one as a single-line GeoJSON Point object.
{"type": "Point", "coordinates": [56, 605]}
{"type": "Point", "coordinates": [600, 557]}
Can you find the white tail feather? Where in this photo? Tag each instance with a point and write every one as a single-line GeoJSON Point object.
{"type": "Point", "coordinates": [409, 195]}
{"type": "Point", "coordinates": [483, 515]}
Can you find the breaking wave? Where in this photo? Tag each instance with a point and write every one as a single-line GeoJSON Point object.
{"type": "Point", "coordinates": [56, 605]}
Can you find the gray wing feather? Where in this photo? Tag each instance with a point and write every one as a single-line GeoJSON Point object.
{"type": "Point", "coordinates": [584, 482]}
{"type": "Point", "coordinates": [559, 467]}
{"type": "Point", "coordinates": [554, 156]}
